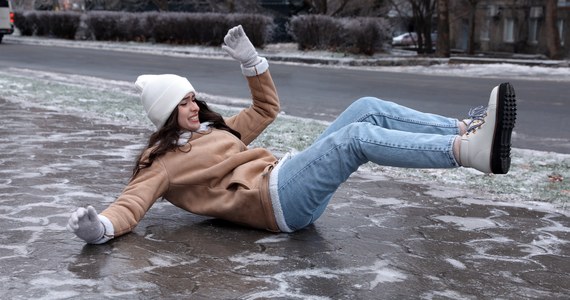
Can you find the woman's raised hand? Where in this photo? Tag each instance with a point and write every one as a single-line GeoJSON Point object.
{"type": "Point", "coordinates": [238, 46]}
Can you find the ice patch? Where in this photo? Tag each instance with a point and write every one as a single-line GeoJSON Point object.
{"type": "Point", "coordinates": [387, 201]}
{"type": "Point", "coordinates": [379, 271]}
{"type": "Point", "coordinates": [447, 294]}
{"type": "Point", "coordinates": [163, 261]}
{"type": "Point", "coordinates": [447, 193]}
{"type": "Point", "coordinates": [548, 243]}
{"type": "Point", "coordinates": [258, 259]}
{"type": "Point", "coordinates": [45, 282]}
{"type": "Point", "coordinates": [530, 205]}
{"type": "Point", "coordinates": [456, 263]}
{"type": "Point", "coordinates": [467, 223]}
{"type": "Point", "coordinates": [56, 295]}
{"type": "Point", "coordinates": [278, 238]}
{"type": "Point", "coordinates": [339, 206]}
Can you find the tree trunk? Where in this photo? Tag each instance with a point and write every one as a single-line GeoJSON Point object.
{"type": "Point", "coordinates": [418, 26]}
{"type": "Point", "coordinates": [317, 6]}
{"type": "Point", "coordinates": [429, 12]}
{"type": "Point", "coordinates": [340, 8]}
{"type": "Point", "coordinates": [471, 39]}
{"type": "Point", "coordinates": [442, 46]}
{"type": "Point", "coordinates": [161, 4]}
{"type": "Point", "coordinates": [552, 35]}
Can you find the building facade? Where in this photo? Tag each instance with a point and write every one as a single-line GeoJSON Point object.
{"type": "Point", "coordinates": [509, 26]}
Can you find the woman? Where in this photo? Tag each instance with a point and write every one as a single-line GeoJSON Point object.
{"type": "Point", "coordinates": [200, 162]}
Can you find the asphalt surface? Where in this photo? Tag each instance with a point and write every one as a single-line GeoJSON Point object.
{"type": "Point", "coordinates": [379, 239]}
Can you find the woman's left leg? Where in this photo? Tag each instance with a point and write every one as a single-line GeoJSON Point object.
{"type": "Point", "coordinates": [391, 115]}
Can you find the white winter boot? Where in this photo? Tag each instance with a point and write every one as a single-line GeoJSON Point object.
{"type": "Point", "coordinates": [486, 146]}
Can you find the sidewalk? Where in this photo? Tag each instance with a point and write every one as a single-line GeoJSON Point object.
{"type": "Point", "coordinates": [379, 239]}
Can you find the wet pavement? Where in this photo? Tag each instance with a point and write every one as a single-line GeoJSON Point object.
{"type": "Point", "coordinates": [379, 239]}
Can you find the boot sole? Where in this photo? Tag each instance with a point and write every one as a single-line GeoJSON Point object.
{"type": "Point", "coordinates": [505, 122]}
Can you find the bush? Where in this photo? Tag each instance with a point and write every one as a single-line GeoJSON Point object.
{"type": "Point", "coordinates": [316, 32]}
{"type": "Point", "coordinates": [25, 21]}
{"type": "Point", "coordinates": [160, 27]}
{"type": "Point", "coordinates": [206, 28]}
{"type": "Point", "coordinates": [64, 25]}
{"type": "Point", "coordinates": [311, 32]}
{"type": "Point", "coordinates": [354, 35]}
{"type": "Point", "coordinates": [57, 24]}
{"type": "Point", "coordinates": [363, 35]}
{"type": "Point", "coordinates": [104, 25]}
{"type": "Point", "coordinates": [176, 27]}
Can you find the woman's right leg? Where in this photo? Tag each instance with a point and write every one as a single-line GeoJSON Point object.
{"type": "Point", "coordinates": [370, 129]}
{"type": "Point", "coordinates": [307, 181]}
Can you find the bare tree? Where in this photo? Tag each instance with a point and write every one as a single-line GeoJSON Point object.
{"type": "Point", "coordinates": [161, 4]}
{"type": "Point", "coordinates": [344, 7]}
{"type": "Point", "coordinates": [317, 6]}
{"type": "Point", "coordinates": [471, 39]}
{"type": "Point", "coordinates": [22, 4]}
{"type": "Point", "coordinates": [423, 11]}
{"type": "Point", "coordinates": [422, 16]}
{"type": "Point", "coordinates": [552, 34]}
{"type": "Point", "coordinates": [442, 48]}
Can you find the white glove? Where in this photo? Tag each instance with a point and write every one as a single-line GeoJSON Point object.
{"type": "Point", "coordinates": [238, 46]}
{"type": "Point", "coordinates": [85, 223]}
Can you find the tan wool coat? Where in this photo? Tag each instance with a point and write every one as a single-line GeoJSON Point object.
{"type": "Point", "coordinates": [219, 177]}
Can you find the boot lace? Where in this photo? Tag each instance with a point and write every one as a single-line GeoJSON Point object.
{"type": "Point", "coordinates": [476, 118]}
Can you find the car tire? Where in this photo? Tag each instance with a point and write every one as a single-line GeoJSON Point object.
{"type": "Point", "coordinates": [1, 36]}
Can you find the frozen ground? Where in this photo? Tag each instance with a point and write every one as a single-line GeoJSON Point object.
{"type": "Point", "coordinates": [382, 237]}
{"type": "Point", "coordinates": [535, 175]}
{"type": "Point", "coordinates": [69, 141]}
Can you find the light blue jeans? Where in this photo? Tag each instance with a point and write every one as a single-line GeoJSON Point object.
{"type": "Point", "coordinates": [372, 130]}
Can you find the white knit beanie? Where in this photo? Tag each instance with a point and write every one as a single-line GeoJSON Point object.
{"type": "Point", "coordinates": [160, 94]}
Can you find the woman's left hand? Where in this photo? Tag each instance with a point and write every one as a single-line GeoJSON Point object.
{"type": "Point", "coordinates": [238, 46]}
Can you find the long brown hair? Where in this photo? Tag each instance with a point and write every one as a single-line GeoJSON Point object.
{"type": "Point", "coordinates": [165, 139]}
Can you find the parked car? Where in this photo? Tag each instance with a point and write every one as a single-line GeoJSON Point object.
{"type": "Point", "coordinates": [6, 18]}
{"type": "Point", "coordinates": [410, 39]}
{"type": "Point", "coordinates": [405, 39]}
{"type": "Point", "coordinates": [434, 38]}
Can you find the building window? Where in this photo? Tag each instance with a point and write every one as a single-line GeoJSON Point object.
{"type": "Point", "coordinates": [508, 31]}
{"type": "Point", "coordinates": [561, 31]}
{"type": "Point", "coordinates": [485, 30]}
{"type": "Point", "coordinates": [534, 16]}
{"type": "Point", "coordinates": [533, 31]}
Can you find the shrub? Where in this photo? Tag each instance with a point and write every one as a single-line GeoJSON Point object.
{"type": "Point", "coordinates": [315, 32]}
{"type": "Point", "coordinates": [363, 35]}
{"type": "Point", "coordinates": [64, 25]}
{"type": "Point", "coordinates": [25, 22]}
{"type": "Point", "coordinates": [206, 28]}
{"type": "Point", "coordinates": [56, 24]}
{"type": "Point", "coordinates": [176, 27]}
{"type": "Point", "coordinates": [117, 26]}
{"type": "Point", "coordinates": [103, 25]}
{"type": "Point", "coordinates": [355, 35]}
{"type": "Point", "coordinates": [42, 23]}
{"type": "Point", "coordinates": [161, 27]}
